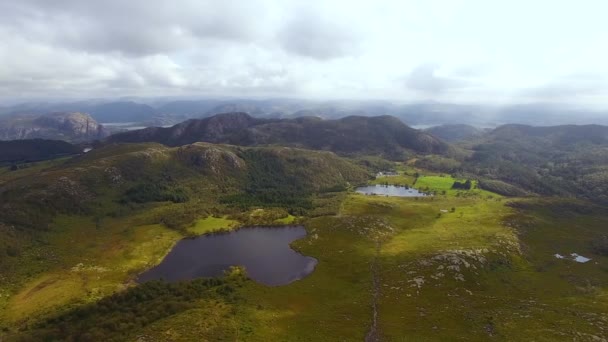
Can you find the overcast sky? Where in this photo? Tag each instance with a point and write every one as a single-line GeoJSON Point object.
{"type": "Point", "coordinates": [449, 50]}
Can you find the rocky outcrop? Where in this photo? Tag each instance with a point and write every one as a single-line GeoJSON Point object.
{"type": "Point", "coordinates": [74, 127]}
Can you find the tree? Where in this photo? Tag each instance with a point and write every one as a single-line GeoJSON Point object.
{"type": "Point", "coordinates": [462, 186]}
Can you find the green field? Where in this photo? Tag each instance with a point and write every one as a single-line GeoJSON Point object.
{"type": "Point", "coordinates": [444, 183]}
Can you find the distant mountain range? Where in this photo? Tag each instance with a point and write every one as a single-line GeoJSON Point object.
{"type": "Point", "coordinates": [149, 112]}
{"type": "Point", "coordinates": [383, 135]}
{"type": "Point", "coordinates": [74, 127]}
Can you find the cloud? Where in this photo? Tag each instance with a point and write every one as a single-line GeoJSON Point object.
{"type": "Point", "coordinates": [313, 35]}
{"type": "Point", "coordinates": [424, 78]}
{"type": "Point", "coordinates": [320, 48]}
{"type": "Point", "coordinates": [573, 86]}
{"type": "Point", "coordinates": [134, 27]}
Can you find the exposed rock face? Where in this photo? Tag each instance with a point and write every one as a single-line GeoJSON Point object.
{"type": "Point", "coordinates": [60, 126]}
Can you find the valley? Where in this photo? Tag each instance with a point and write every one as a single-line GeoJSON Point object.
{"type": "Point", "coordinates": [463, 262]}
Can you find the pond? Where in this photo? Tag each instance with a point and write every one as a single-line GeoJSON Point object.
{"type": "Point", "coordinates": [573, 256]}
{"type": "Point", "coordinates": [390, 190]}
{"type": "Point", "coordinates": [263, 251]}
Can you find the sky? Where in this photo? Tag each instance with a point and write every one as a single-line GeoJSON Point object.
{"type": "Point", "coordinates": [451, 50]}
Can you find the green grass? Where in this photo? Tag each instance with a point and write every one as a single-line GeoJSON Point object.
{"type": "Point", "coordinates": [437, 183]}
{"type": "Point", "coordinates": [289, 219]}
{"type": "Point", "coordinates": [443, 183]}
{"type": "Point", "coordinates": [212, 224]}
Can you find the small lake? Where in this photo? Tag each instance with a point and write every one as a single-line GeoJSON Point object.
{"type": "Point", "coordinates": [263, 251]}
{"type": "Point", "coordinates": [390, 190]}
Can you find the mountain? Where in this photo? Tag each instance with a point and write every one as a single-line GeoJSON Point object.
{"type": "Point", "coordinates": [422, 114]}
{"type": "Point", "coordinates": [384, 135]}
{"type": "Point", "coordinates": [73, 127]}
{"type": "Point", "coordinates": [455, 132]}
{"type": "Point", "coordinates": [33, 150]}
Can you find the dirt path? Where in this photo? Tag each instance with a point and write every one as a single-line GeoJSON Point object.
{"type": "Point", "coordinates": [373, 334]}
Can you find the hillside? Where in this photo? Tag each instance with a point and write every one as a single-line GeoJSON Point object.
{"type": "Point", "coordinates": [454, 133]}
{"type": "Point", "coordinates": [383, 135]}
{"type": "Point", "coordinates": [567, 160]}
{"type": "Point", "coordinates": [73, 127]}
{"type": "Point", "coordinates": [16, 151]}
{"type": "Point", "coordinates": [147, 173]}
{"type": "Point", "coordinates": [552, 137]}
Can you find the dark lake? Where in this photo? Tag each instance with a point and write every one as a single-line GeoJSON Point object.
{"type": "Point", "coordinates": [263, 251]}
{"type": "Point", "coordinates": [389, 190]}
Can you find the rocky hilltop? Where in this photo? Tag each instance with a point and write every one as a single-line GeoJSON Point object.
{"type": "Point", "coordinates": [74, 127]}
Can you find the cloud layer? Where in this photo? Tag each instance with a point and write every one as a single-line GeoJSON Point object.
{"type": "Point", "coordinates": [462, 50]}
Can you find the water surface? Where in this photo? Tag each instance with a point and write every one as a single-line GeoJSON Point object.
{"type": "Point", "coordinates": [263, 251]}
{"type": "Point", "coordinates": [390, 190]}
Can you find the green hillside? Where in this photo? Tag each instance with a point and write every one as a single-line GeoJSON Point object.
{"type": "Point", "coordinates": [20, 151]}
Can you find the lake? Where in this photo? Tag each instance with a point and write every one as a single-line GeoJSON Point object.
{"type": "Point", "coordinates": [263, 251]}
{"type": "Point", "coordinates": [390, 190]}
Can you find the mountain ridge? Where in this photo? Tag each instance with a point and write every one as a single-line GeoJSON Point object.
{"type": "Point", "coordinates": [386, 135]}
